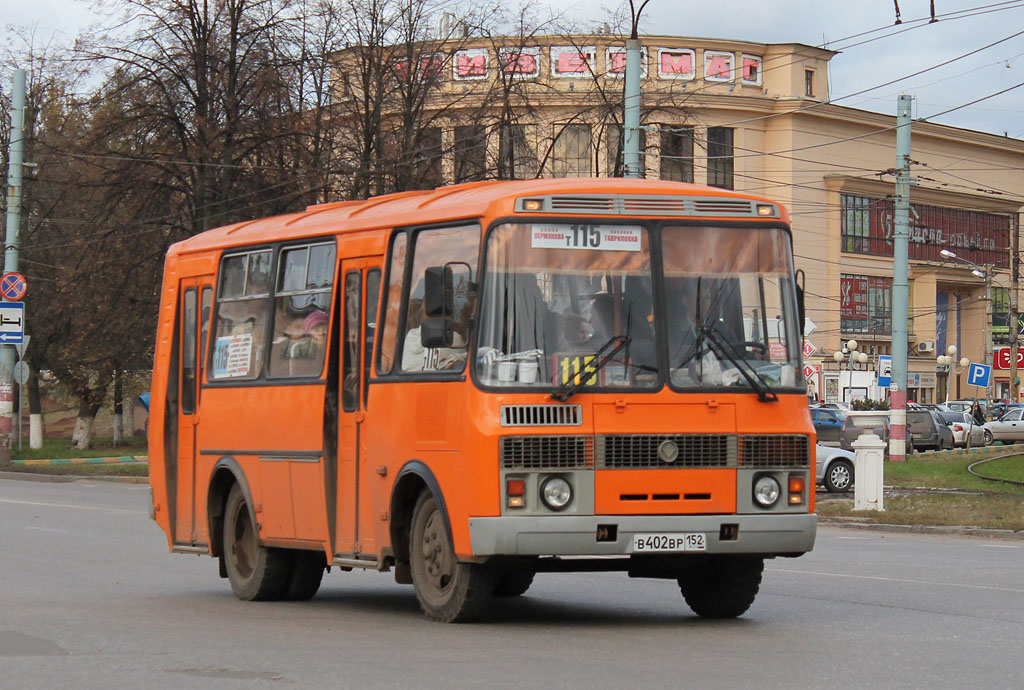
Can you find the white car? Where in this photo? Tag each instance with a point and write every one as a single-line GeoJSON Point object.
{"type": "Point", "coordinates": [835, 468]}
{"type": "Point", "coordinates": [965, 429]}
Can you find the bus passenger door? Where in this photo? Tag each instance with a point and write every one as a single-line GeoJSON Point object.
{"type": "Point", "coordinates": [196, 296]}
{"type": "Point", "coordinates": [360, 279]}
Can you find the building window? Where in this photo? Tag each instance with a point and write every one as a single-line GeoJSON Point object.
{"type": "Point", "coordinates": [1000, 315]}
{"type": "Point", "coordinates": [470, 153]}
{"type": "Point", "coordinates": [427, 158]}
{"type": "Point", "coordinates": [517, 158]}
{"type": "Point", "coordinates": [865, 304]}
{"type": "Point", "coordinates": [616, 158]}
{"type": "Point", "coordinates": [720, 153]}
{"type": "Point", "coordinates": [571, 154]}
{"type": "Point", "coordinates": [809, 82]}
{"type": "Point", "coordinates": [677, 153]}
{"type": "Point", "coordinates": [855, 223]}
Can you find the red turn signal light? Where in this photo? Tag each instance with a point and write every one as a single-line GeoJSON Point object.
{"type": "Point", "coordinates": [515, 492]}
{"type": "Point", "coordinates": [796, 490]}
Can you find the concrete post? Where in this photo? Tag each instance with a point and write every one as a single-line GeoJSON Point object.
{"type": "Point", "coordinates": [869, 456]}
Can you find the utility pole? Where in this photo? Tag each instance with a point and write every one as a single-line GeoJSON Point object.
{"type": "Point", "coordinates": [900, 285]}
{"type": "Point", "coordinates": [1013, 331]}
{"type": "Point", "coordinates": [16, 160]}
{"type": "Point", "coordinates": [631, 160]}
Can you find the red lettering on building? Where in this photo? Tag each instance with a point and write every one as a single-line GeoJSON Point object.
{"type": "Point", "coordinates": [719, 66]}
{"type": "Point", "coordinates": [520, 63]}
{"type": "Point", "coordinates": [471, 65]}
{"type": "Point", "coordinates": [617, 63]}
{"type": "Point", "coordinates": [572, 63]}
{"type": "Point", "coordinates": [676, 63]}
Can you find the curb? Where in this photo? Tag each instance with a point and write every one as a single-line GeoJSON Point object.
{"type": "Point", "coordinates": [112, 460]}
{"type": "Point", "coordinates": [990, 533]}
{"type": "Point", "coordinates": [67, 478]}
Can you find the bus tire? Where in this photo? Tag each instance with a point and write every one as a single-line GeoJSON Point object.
{"type": "Point", "coordinates": [307, 572]}
{"type": "Point", "coordinates": [448, 591]}
{"type": "Point", "coordinates": [722, 586]}
{"type": "Point", "coordinates": [513, 583]}
{"type": "Point", "coordinates": [256, 572]}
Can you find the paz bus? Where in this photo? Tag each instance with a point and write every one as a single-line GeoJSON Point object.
{"type": "Point", "coordinates": [470, 385]}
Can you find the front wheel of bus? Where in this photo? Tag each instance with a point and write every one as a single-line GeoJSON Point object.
{"type": "Point", "coordinates": [448, 591]}
{"type": "Point", "coordinates": [256, 573]}
{"type": "Point", "coordinates": [722, 586]}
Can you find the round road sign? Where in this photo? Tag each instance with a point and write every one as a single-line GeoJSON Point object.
{"type": "Point", "coordinates": [13, 286]}
{"type": "Point", "coordinates": [21, 373]}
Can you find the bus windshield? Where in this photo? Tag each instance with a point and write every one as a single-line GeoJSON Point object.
{"type": "Point", "coordinates": [573, 305]}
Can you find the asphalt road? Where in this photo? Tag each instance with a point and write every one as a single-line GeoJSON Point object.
{"type": "Point", "coordinates": [90, 598]}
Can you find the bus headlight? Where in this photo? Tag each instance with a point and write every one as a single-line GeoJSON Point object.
{"type": "Point", "coordinates": [556, 493]}
{"type": "Point", "coordinates": [766, 491]}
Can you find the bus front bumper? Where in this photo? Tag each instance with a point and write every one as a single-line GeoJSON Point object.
{"type": "Point", "coordinates": [612, 535]}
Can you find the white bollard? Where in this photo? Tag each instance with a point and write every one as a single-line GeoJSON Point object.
{"type": "Point", "coordinates": [867, 474]}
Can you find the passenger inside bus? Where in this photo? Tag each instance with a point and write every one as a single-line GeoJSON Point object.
{"type": "Point", "coordinates": [299, 347]}
{"type": "Point", "coordinates": [416, 358]}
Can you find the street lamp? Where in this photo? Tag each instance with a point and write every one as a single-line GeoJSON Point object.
{"type": "Point", "coordinates": [952, 367]}
{"type": "Point", "coordinates": [985, 273]}
{"type": "Point", "coordinates": [855, 357]}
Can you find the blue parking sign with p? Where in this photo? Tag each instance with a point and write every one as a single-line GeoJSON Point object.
{"type": "Point", "coordinates": [978, 375]}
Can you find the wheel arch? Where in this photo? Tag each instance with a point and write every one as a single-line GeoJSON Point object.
{"type": "Point", "coordinates": [225, 474]}
{"type": "Point", "coordinates": [410, 482]}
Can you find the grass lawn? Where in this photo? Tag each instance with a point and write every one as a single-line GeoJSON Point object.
{"type": "Point", "coordinates": [62, 448]}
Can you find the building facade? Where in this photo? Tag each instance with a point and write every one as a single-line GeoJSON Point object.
{"type": "Point", "coordinates": [756, 117]}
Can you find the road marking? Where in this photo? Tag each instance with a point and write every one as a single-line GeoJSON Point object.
{"type": "Point", "coordinates": [1000, 546]}
{"type": "Point", "coordinates": [897, 579]}
{"type": "Point", "coordinates": [44, 529]}
{"type": "Point", "coordinates": [72, 507]}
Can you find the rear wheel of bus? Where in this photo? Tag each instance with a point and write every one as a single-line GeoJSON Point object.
{"type": "Point", "coordinates": [722, 586]}
{"type": "Point", "coordinates": [448, 591]}
{"type": "Point", "coordinates": [256, 572]}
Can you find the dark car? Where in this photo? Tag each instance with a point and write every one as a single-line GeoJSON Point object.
{"type": "Point", "coordinates": [828, 423]}
{"type": "Point", "coordinates": [929, 430]}
{"type": "Point", "coordinates": [851, 432]}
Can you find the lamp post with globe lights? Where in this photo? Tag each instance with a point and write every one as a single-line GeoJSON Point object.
{"type": "Point", "coordinates": [952, 366]}
{"type": "Point", "coordinates": [855, 357]}
{"type": "Point", "coordinates": [985, 273]}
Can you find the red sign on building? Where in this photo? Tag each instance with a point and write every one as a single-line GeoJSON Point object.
{"type": "Point", "coordinates": [1001, 358]}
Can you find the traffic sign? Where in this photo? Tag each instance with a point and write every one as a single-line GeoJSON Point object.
{"type": "Point", "coordinates": [13, 286]}
{"type": "Point", "coordinates": [12, 322]}
{"type": "Point", "coordinates": [809, 348]}
{"type": "Point", "coordinates": [21, 373]}
{"type": "Point", "coordinates": [810, 371]}
{"type": "Point", "coordinates": [979, 375]}
{"type": "Point", "coordinates": [884, 370]}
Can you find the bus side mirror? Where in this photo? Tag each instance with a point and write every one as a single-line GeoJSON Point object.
{"type": "Point", "coordinates": [437, 331]}
{"type": "Point", "coordinates": [438, 293]}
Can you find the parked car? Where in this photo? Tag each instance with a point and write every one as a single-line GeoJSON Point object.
{"type": "Point", "coordinates": [828, 423]}
{"type": "Point", "coordinates": [1000, 408]}
{"type": "Point", "coordinates": [966, 405]}
{"type": "Point", "coordinates": [1009, 428]}
{"type": "Point", "coordinates": [965, 429]}
{"type": "Point", "coordinates": [929, 430]}
{"type": "Point", "coordinates": [835, 468]}
{"type": "Point", "coordinates": [851, 432]}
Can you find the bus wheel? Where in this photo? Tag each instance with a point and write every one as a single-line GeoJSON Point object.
{"type": "Point", "coordinates": [448, 591]}
{"type": "Point", "coordinates": [722, 586]}
{"type": "Point", "coordinates": [256, 573]}
{"type": "Point", "coordinates": [513, 583]}
{"type": "Point", "coordinates": [307, 572]}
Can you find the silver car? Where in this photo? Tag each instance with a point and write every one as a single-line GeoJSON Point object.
{"type": "Point", "coordinates": [835, 468]}
{"type": "Point", "coordinates": [1009, 428]}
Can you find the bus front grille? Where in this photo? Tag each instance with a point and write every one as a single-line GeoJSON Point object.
{"type": "Point", "coordinates": [775, 451]}
{"type": "Point", "coordinates": [547, 452]}
{"type": "Point", "coordinates": [637, 451]}
{"type": "Point", "coordinates": [541, 415]}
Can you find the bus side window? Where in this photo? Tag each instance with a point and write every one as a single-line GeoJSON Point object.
{"type": "Point", "coordinates": [351, 350]}
{"type": "Point", "coordinates": [372, 303]}
{"type": "Point", "coordinates": [302, 305]}
{"type": "Point", "coordinates": [458, 247]}
{"type": "Point", "coordinates": [243, 314]}
{"type": "Point", "coordinates": [392, 309]}
{"type": "Point", "coordinates": [188, 353]}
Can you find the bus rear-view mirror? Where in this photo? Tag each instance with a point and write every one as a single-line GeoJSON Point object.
{"type": "Point", "coordinates": [437, 331]}
{"type": "Point", "coordinates": [438, 292]}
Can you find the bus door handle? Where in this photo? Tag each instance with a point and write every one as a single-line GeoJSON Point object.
{"type": "Point", "coordinates": [359, 416]}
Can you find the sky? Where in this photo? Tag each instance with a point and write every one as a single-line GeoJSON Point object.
{"type": "Point", "coordinates": [886, 53]}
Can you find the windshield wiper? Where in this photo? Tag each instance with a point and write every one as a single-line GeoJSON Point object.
{"type": "Point", "coordinates": [753, 377]}
{"type": "Point", "coordinates": [601, 358]}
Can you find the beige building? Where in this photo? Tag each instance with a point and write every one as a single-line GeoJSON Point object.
{"type": "Point", "coordinates": [755, 117]}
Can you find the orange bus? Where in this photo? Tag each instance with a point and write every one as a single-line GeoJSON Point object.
{"type": "Point", "coordinates": [473, 384]}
